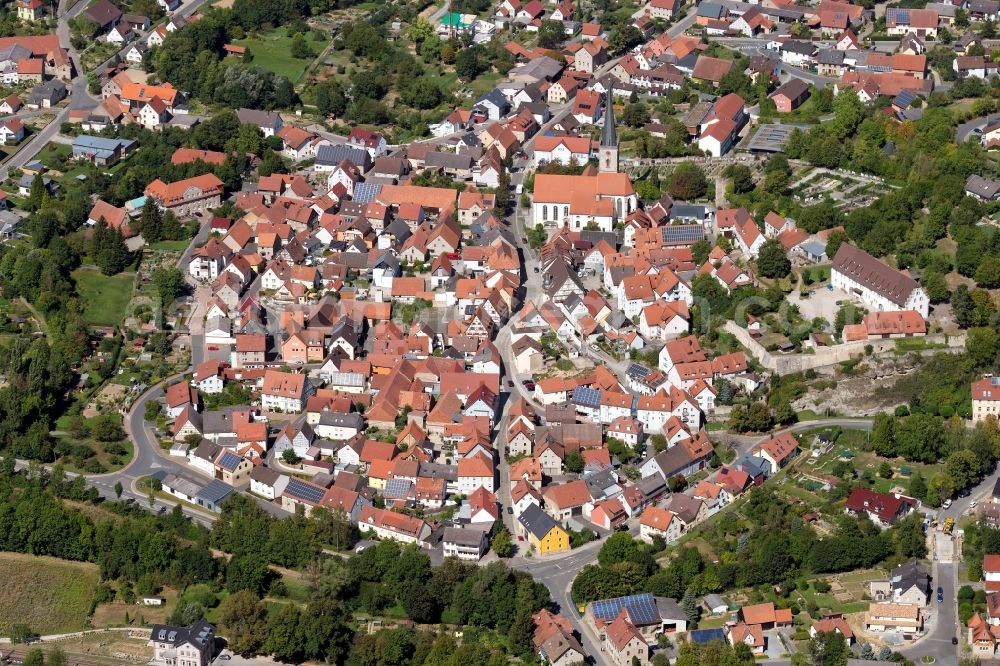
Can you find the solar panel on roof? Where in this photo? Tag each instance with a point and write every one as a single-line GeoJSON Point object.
{"type": "Point", "coordinates": [706, 635]}
{"type": "Point", "coordinates": [305, 491]}
{"type": "Point", "coordinates": [396, 488]}
{"type": "Point", "coordinates": [365, 192]}
{"type": "Point", "coordinates": [641, 608]}
{"type": "Point", "coordinates": [229, 460]}
{"type": "Point", "coordinates": [637, 371]}
{"type": "Point", "coordinates": [215, 491]}
{"type": "Point", "coordinates": [586, 395]}
{"type": "Point", "coordinates": [900, 14]}
{"type": "Point", "coordinates": [683, 233]}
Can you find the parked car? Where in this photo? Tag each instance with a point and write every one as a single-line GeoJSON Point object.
{"type": "Point", "coordinates": [946, 504]}
{"type": "Point", "coordinates": [940, 594]}
{"type": "Point", "coordinates": [954, 640]}
{"type": "Point", "coordinates": [510, 510]}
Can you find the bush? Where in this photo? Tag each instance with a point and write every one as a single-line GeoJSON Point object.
{"type": "Point", "coordinates": [902, 410]}
{"type": "Point", "coordinates": [821, 586]}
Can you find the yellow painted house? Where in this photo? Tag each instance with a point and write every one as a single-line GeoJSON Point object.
{"type": "Point", "coordinates": [542, 532]}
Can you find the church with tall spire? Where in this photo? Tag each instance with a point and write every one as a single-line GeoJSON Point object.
{"type": "Point", "coordinates": [608, 152]}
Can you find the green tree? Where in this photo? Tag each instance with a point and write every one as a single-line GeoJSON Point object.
{"type": "Point", "coordinates": [243, 617]}
{"type": "Point", "coordinates": [690, 607]}
{"type": "Point", "coordinates": [300, 48]}
{"type": "Point", "coordinates": [623, 37]}
{"type": "Point", "coordinates": [962, 306]}
{"type": "Point", "coordinates": [741, 176]}
{"type": "Point", "coordinates": [20, 633]}
{"type": "Point", "coordinates": [883, 437]}
{"type": "Point", "coordinates": [700, 251]}
{"type": "Point", "coordinates": [502, 543]}
{"type": "Point", "coordinates": [982, 345]}
{"type": "Point", "coordinates": [107, 428]}
{"type": "Point", "coordinates": [169, 283]}
{"type": "Point", "coordinates": [551, 34]}
{"type": "Point", "coordinates": [248, 572]}
{"type": "Point", "coordinates": [119, 489]}
{"type": "Point", "coordinates": [687, 182]}
{"type": "Point", "coordinates": [833, 243]}
{"type": "Point", "coordinates": [636, 115]}
{"type": "Point", "coordinates": [935, 285]}
{"type": "Point", "coordinates": [573, 462]}
{"type": "Point", "coordinates": [772, 261]}
{"type": "Point", "coordinates": [36, 193]}
{"type": "Point", "coordinates": [34, 657]}
{"type": "Point", "coordinates": [56, 657]}
{"type": "Point", "coordinates": [988, 273]}
{"type": "Point", "coordinates": [619, 547]}
{"type": "Point", "coordinates": [502, 196]}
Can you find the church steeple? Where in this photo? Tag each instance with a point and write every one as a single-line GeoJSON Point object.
{"type": "Point", "coordinates": [608, 153]}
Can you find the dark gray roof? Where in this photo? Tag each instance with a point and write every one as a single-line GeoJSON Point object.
{"type": "Point", "coordinates": [830, 57]}
{"type": "Point", "coordinates": [333, 155]}
{"type": "Point", "coordinates": [438, 471]}
{"type": "Point", "coordinates": [873, 274]}
{"type": "Point", "coordinates": [464, 536]}
{"type": "Point", "coordinates": [495, 98]}
{"type": "Point", "coordinates": [341, 420]}
{"type": "Point", "coordinates": [711, 10]}
{"type": "Point", "coordinates": [103, 13]}
{"type": "Point", "coordinates": [609, 137]}
{"type": "Point", "coordinates": [984, 188]}
{"type": "Point", "coordinates": [448, 160]}
{"type": "Point", "coordinates": [536, 521]}
{"type": "Point", "coordinates": [258, 117]}
{"type": "Point", "coordinates": [792, 89]}
{"type": "Point", "coordinates": [215, 492]}
{"type": "Point", "coordinates": [200, 634]}
{"type": "Point", "coordinates": [911, 574]}
{"type": "Point", "coordinates": [796, 46]}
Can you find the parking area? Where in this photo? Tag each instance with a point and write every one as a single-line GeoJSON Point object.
{"type": "Point", "coordinates": [821, 302]}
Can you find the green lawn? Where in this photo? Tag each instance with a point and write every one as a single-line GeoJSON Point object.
{"type": "Point", "coordinates": [171, 246]}
{"type": "Point", "coordinates": [105, 298]}
{"type": "Point", "coordinates": [47, 594]}
{"type": "Point", "coordinates": [272, 51]}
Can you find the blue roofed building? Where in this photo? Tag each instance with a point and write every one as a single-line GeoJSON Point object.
{"type": "Point", "coordinates": [100, 150]}
{"type": "Point", "coordinates": [213, 495]}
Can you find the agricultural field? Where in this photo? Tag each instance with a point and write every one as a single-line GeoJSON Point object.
{"type": "Point", "coordinates": [105, 298]}
{"type": "Point", "coordinates": [48, 594]}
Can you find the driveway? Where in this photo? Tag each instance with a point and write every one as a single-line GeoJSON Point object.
{"type": "Point", "coordinates": [968, 129]}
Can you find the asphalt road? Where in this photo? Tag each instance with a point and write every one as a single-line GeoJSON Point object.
{"type": "Point", "coordinates": [967, 129]}
{"type": "Point", "coordinates": [937, 643]}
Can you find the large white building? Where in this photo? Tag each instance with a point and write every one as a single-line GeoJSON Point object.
{"type": "Point", "coordinates": [875, 284]}
{"type": "Point", "coordinates": [182, 646]}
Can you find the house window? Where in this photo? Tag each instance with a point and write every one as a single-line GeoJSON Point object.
{"type": "Point", "coordinates": [545, 213]}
